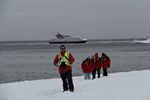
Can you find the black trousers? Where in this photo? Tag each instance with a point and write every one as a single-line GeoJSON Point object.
{"type": "Point", "coordinates": [94, 73]}
{"type": "Point", "coordinates": [105, 72]}
{"type": "Point", "coordinates": [67, 81]}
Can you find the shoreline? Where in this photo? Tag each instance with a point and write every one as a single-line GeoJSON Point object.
{"type": "Point", "coordinates": [9, 82]}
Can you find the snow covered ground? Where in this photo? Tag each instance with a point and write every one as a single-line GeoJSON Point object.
{"type": "Point", "coordinates": [118, 86]}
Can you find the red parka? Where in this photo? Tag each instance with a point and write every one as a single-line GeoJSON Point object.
{"type": "Point", "coordinates": [67, 68]}
{"type": "Point", "coordinates": [87, 67]}
{"type": "Point", "coordinates": [105, 61]}
{"type": "Point", "coordinates": [97, 63]}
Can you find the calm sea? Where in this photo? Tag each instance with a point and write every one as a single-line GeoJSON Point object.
{"type": "Point", "coordinates": [31, 60]}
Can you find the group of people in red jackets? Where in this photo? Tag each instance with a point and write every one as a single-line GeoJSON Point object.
{"type": "Point", "coordinates": [63, 62]}
{"type": "Point", "coordinates": [93, 65]}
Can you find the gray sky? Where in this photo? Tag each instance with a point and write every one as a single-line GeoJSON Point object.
{"type": "Point", "coordinates": [99, 19]}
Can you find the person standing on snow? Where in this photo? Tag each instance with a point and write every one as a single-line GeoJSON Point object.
{"type": "Point", "coordinates": [63, 61]}
{"type": "Point", "coordinates": [96, 65]}
{"type": "Point", "coordinates": [87, 67]}
{"type": "Point", "coordinates": [105, 63]}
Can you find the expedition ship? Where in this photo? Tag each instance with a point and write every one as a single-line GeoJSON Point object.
{"type": "Point", "coordinates": [60, 38]}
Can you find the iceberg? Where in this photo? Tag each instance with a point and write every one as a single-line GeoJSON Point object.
{"type": "Point", "coordinates": [143, 41]}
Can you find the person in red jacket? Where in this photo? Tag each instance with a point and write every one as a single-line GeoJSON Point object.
{"type": "Point", "coordinates": [105, 63]}
{"type": "Point", "coordinates": [87, 68]}
{"type": "Point", "coordinates": [96, 65]}
{"type": "Point", "coordinates": [63, 61]}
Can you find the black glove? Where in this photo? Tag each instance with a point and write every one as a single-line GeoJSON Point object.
{"type": "Point", "coordinates": [63, 64]}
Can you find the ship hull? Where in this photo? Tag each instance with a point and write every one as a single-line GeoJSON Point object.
{"type": "Point", "coordinates": [62, 42]}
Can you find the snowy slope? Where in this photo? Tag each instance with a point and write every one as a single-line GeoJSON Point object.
{"type": "Point", "coordinates": [119, 86]}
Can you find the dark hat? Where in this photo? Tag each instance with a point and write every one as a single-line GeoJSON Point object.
{"type": "Point", "coordinates": [88, 58]}
{"type": "Point", "coordinates": [103, 54]}
{"type": "Point", "coordinates": [62, 47]}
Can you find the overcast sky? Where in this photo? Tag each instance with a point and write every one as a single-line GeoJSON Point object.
{"type": "Point", "coordinates": [99, 19]}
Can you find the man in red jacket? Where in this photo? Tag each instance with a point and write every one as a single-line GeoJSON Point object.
{"type": "Point", "coordinates": [105, 63]}
{"type": "Point", "coordinates": [63, 61]}
{"type": "Point", "coordinates": [97, 65]}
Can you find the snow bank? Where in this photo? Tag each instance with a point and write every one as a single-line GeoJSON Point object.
{"type": "Point", "coordinates": [118, 86]}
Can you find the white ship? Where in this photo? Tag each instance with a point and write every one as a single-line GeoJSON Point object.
{"type": "Point", "coordinates": [60, 38]}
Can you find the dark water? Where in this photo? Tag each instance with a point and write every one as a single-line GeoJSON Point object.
{"type": "Point", "coordinates": [20, 61]}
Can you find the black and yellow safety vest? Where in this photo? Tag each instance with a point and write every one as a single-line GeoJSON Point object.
{"type": "Point", "coordinates": [64, 58]}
